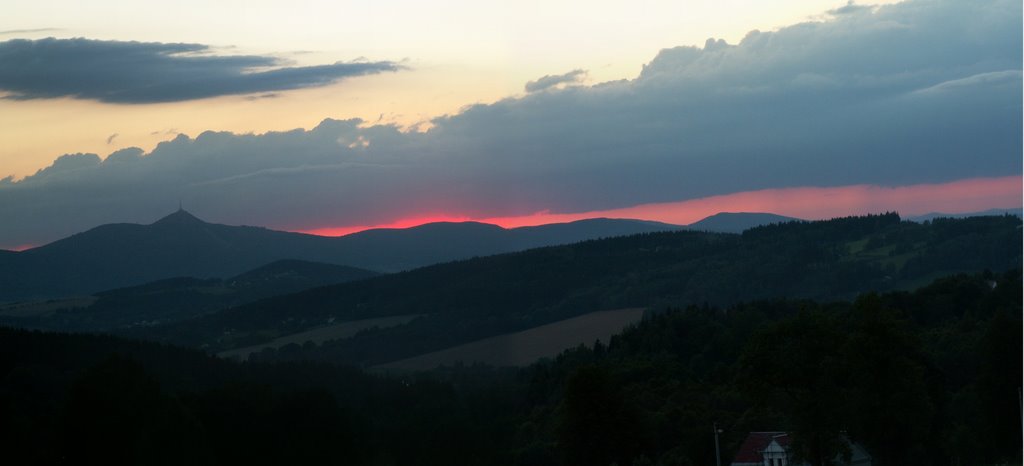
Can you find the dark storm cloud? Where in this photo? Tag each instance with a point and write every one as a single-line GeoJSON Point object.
{"type": "Point", "coordinates": [917, 92]}
{"type": "Point", "coordinates": [549, 81]}
{"type": "Point", "coordinates": [141, 72]}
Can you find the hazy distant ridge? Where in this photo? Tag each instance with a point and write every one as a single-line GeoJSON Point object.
{"type": "Point", "coordinates": [737, 222]}
{"type": "Point", "coordinates": [181, 245]}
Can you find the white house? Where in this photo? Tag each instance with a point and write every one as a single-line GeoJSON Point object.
{"type": "Point", "coordinates": [772, 449]}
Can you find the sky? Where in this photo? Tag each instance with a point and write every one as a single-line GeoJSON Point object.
{"type": "Point", "coordinates": [330, 117]}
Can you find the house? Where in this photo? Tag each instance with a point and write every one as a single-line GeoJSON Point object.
{"type": "Point", "coordinates": [772, 449]}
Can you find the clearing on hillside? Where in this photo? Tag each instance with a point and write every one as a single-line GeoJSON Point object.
{"type": "Point", "coordinates": [526, 347]}
{"type": "Point", "coordinates": [44, 308]}
{"type": "Point", "coordinates": [320, 334]}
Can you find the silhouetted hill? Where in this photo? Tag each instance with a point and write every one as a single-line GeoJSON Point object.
{"type": "Point", "coordinates": [178, 298]}
{"type": "Point", "coordinates": [737, 222]}
{"type": "Point", "coordinates": [304, 274]}
{"type": "Point", "coordinates": [407, 248]}
{"type": "Point", "coordinates": [118, 255]}
{"type": "Point", "coordinates": [393, 250]}
{"type": "Point", "coordinates": [591, 228]}
{"type": "Point", "coordinates": [470, 300]}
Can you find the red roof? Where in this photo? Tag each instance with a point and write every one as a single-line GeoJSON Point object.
{"type": "Point", "coordinates": [750, 451]}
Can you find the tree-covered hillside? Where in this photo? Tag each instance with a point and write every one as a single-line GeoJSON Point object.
{"type": "Point", "coordinates": [928, 377]}
{"type": "Point", "coordinates": [175, 299]}
{"type": "Point", "coordinates": [922, 378]}
{"type": "Point", "coordinates": [468, 300]}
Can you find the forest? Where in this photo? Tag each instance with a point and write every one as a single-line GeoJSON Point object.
{"type": "Point", "coordinates": [464, 301]}
{"type": "Point", "coordinates": [927, 377]}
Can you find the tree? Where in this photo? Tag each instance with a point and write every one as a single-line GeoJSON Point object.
{"type": "Point", "coordinates": [117, 414]}
{"type": "Point", "coordinates": [598, 425]}
{"type": "Point", "coordinates": [796, 366]}
{"type": "Point", "coordinates": [890, 407]}
{"type": "Point", "coordinates": [997, 387]}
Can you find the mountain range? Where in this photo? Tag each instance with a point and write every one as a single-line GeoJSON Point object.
{"type": "Point", "coordinates": [464, 301]}
{"type": "Point", "coordinates": [181, 245]}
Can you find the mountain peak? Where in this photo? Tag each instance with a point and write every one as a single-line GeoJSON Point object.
{"type": "Point", "coordinates": [179, 217]}
{"type": "Point", "coordinates": [737, 222]}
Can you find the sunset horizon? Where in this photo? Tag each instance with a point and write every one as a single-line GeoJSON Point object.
{"type": "Point", "coordinates": [544, 233]}
{"type": "Point", "coordinates": [798, 112]}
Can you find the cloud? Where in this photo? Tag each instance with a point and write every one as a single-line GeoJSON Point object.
{"type": "Point", "coordinates": [550, 81]}
{"type": "Point", "coordinates": [919, 92]}
{"type": "Point", "coordinates": [850, 8]}
{"type": "Point", "coordinates": [270, 95]}
{"type": "Point", "coordinates": [149, 72]}
{"type": "Point", "coordinates": [9, 32]}
{"type": "Point", "coordinates": [990, 79]}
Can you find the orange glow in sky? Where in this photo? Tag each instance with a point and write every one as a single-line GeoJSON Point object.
{"type": "Point", "coordinates": [809, 203]}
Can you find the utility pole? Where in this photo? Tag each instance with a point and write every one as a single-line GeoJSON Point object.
{"type": "Point", "coordinates": [718, 453]}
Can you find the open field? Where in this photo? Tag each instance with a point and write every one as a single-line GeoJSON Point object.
{"type": "Point", "coordinates": [44, 308]}
{"type": "Point", "coordinates": [321, 334]}
{"type": "Point", "coordinates": [525, 347]}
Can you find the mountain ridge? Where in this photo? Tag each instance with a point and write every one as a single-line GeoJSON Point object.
{"type": "Point", "coordinates": [472, 299]}
{"type": "Point", "coordinates": [181, 244]}
{"type": "Point", "coordinates": [738, 222]}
